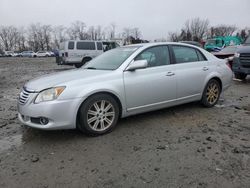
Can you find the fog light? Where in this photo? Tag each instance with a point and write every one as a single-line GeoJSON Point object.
{"type": "Point", "coordinates": [25, 118]}
{"type": "Point", "coordinates": [44, 121]}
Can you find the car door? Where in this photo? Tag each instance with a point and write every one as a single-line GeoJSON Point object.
{"type": "Point", "coordinates": [191, 71]}
{"type": "Point", "coordinates": [153, 86]}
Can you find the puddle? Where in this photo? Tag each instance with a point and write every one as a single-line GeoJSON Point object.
{"type": "Point", "coordinates": [9, 142]}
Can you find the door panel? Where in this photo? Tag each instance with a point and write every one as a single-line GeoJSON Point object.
{"type": "Point", "coordinates": [149, 86]}
{"type": "Point", "coordinates": [191, 71]}
{"type": "Point", "coordinates": [191, 78]}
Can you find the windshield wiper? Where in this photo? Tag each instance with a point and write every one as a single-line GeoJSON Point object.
{"type": "Point", "coordinates": [93, 68]}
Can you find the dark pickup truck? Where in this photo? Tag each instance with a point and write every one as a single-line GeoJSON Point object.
{"type": "Point", "coordinates": [241, 61]}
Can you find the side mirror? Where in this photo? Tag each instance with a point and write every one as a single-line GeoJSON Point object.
{"type": "Point", "coordinates": [138, 64]}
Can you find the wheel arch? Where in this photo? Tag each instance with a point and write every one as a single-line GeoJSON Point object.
{"type": "Point", "coordinates": [218, 80]}
{"type": "Point", "coordinates": [88, 58]}
{"type": "Point", "coordinates": [216, 77]}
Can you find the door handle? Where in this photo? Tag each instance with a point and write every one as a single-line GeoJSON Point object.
{"type": "Point", "coordinates": [205, 68]}
{"type": "Point", "coordinates": [170, 74]}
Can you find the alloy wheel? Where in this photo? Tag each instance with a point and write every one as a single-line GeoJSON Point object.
{"type": "Point", "coordinates": [100, 115]}
{"type": "Point", "coordinates": [212, 93]}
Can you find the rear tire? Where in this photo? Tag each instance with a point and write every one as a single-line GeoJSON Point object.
{"type": "Point", "coordinates": [240, 76]}
{"type": "Point", "coordinates": [98, 115]}
{"type": "Point", "coordinates": [211, 93]}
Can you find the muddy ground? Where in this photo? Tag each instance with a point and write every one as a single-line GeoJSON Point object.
{"type": "Point", "coordinates": [183, 146]}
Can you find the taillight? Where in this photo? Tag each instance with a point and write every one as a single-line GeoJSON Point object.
{"type": "Point", "coordinates": [66, 54]}
{"type": "Point", "coordinates": [229, 65]}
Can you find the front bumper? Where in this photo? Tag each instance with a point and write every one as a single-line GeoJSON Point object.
{"type": "Point", "coordinates": [239, 68]}
{"type": "Point", "coordinates": [61, 114]}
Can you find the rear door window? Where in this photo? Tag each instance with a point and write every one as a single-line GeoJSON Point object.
{"type": "Point", "coordinates": [85, 45]}
{"type": "Point", "coordinates": [185, 54]}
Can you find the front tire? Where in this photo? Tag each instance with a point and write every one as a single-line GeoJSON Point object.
{"type": "Point", "coordinates": [98, 115]}
{"type": "Point", "coordinates": [240, 76]}
{"type": "Point", "coordinates": [211, 93]}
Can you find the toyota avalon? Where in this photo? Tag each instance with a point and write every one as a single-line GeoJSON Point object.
{"type": "Point", "coordinates": [122, 82]}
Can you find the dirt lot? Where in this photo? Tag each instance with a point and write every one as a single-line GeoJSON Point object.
{"type": "Point", "coordinates": [184, 146]}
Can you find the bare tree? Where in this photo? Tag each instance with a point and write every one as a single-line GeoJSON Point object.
{"type": "Point", "coordinates": [91, 33]}
{"type": "Point", "coordinates": [196, 28]}
{"type": "Point", "coordinates": [8, 37]}
{"type": "Point", "coordinates": [98, 32]}
{"type": "Point", "coordinates": [58, 36]}
{"type": "Point", "coordinates": [33, 38]}
{"type": "Point", "coordinates": [136, 33]}
{"type": "Point", "coordinates": [46, 32]}
{"type": "Point", "coordinates": [21, 39]}
{"type": "Point", "coordinates": [77, 30]}
{"type": "Point", "coordinates": [223, 30]}
{"type": "Point", "coordinates": [173, 36]}
{"type": "Point", "coordinates": [112, 30]}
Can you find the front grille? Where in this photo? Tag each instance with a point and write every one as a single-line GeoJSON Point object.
{"type": "Point", "coordinates": [24, 96]}
{"type": "Point", "coordinates": [245, 59]}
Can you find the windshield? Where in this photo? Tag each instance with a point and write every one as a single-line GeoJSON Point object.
{"type": "Point", "coordinates": [112, 59]}
{"type": "Point", "coordinates": [229, 50]}
{"type": "Point", "coordinates": [211, 42]}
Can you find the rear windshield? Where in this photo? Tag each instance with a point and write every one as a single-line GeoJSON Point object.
{"type": "Point", "coordinates": [85, 45]}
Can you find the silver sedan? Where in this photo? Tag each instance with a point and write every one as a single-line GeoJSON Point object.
{"type": "Point", "coordinates": [122, 82]}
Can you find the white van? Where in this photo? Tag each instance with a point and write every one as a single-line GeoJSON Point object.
{"type": "Point", "coordinates": [78, 52]}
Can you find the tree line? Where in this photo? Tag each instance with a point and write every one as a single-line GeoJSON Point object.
{"type": "Point", "coordinates": [198, 29]}
{"type": "Point", "coordinates": [47, 37]}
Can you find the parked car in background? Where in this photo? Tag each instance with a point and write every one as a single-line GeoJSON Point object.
{"type": "Point", "coordinates": [218, 43]}
{"type": "Point", "coordinates": [122, 82]}
{"type": "Point", "coordinates": [79, 52]}
{"type": "Point", "coordinates": [43, 54]}
{"type": "Point", "coordinates": [241, 61]}
{"type": "Point", "coordinates": [51, 54]}
{"type": "Point", "coordinates": [227, 53]}
{"type": "Point", "coordinates": [28, 54]}
{"type": "Point", "coordinates": [9, 53]}
{"type": "Point", "coordinates": [17, 54]}
{"type": "Point", "coordinates": [192, 43]}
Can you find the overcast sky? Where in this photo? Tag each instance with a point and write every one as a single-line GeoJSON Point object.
{"type": "Point", "coordinates": [155, 18]}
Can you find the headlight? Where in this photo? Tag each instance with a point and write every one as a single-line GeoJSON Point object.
{"type": "Point", "coordinates": [49, 94]}
{"type": "Point", "coordinates": [237, 54]}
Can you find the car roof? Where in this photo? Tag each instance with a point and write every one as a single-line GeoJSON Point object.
{"type": "Point", "coordinates": [160, 43]}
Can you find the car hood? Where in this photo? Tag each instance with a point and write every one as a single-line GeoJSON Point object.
{"type": "Point", "coordinates": [63, 78]}
{"type": "Point", "coordinates": [244, 49]}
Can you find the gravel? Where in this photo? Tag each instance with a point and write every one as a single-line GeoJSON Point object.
{"type": "Point", "coordinates": [183, 146]}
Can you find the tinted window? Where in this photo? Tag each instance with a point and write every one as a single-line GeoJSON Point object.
{"type": "Point", "coordinates": [201, 56]}
{"type": "Point", "coordinates": [185, 54]}
{"type": "Point", "coordinates": [85, 45]}
{"type": "Point", "coordinates": [71, 45]}
{"type": "Point", "coordinates": [99, 46]}
{"type": "Point", "coordinates": [156, 56]}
